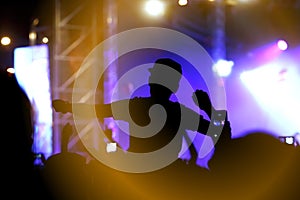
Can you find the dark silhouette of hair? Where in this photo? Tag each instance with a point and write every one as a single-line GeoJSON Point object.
{"type": "Point", "coordinates": [16, 122]}
{"type": "Point", "coordinates": [170, 63]}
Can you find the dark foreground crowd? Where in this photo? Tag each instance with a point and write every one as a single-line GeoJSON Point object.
{"type": "Point", "coordinates": [257, 166]}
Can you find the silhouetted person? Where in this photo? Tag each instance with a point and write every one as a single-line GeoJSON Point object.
{"type": "Point", "coordinates": [151, 130]}
{"type": "Point", "coordinates": [16, 128]}
{"type": "Point", "coordinates": [147, 128]}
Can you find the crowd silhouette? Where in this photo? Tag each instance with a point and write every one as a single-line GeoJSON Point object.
{"type": "Point", "coordinates": [18, 173]}
{"type": "Point", "coordinates": [256, 166]}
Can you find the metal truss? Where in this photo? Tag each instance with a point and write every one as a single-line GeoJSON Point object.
{"type": "Point", "coordinates": [78, 28]}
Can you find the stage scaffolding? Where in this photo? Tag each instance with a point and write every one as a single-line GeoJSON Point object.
{"type": "Point", "coordinates": [79, 25]}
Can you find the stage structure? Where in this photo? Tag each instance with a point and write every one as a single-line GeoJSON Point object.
{"type": "Point", "coordinates": [79, 26]}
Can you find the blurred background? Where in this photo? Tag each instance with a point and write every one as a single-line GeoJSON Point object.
{"type": "Point", "coordinates": [254, 43]}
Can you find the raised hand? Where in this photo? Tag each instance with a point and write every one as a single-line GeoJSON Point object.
{"type": "Point", "coordinates": [202, 99]}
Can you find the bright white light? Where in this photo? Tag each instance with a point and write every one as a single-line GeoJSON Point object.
{"type": "Point", "coordinates": [45, 40]}
{"type": "Point", "coordinates": [279, 98]}
{"type": "Point", "coordinates": [282, 45]}
{"type": "Point", "coordinates": [289, 140]}
{"type": "Point", "coordinates": [10, 70]}
{"type": "Point", "coordinates": [32, 72]}
{"type": "Point", "coordinates": [223, 67]}
{"type": "Point", "coordinates": [5, 41]}
{"type": "Point", "coordinates": [182, 2]}
{"type": "Point", "coordinates": [155, 7]}
{"type": "Point", "coordinates": [111, 147]}
{"type": "Point", "coordinates": [32, 35]}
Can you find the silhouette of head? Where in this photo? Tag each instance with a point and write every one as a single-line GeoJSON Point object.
{"type": "Point", "coordinates": [164, 78]}
{"type": "Point", "coordinates": [16, 131]}
{"type": "Point", "coordinates": [16, 113]}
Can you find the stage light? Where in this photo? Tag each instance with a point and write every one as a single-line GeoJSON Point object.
{"type": "Point", "coordinates": [223, 67]}
{"type": "Point", "coordinates": [45, 40]}
{"type": "Point", "coordinates": [277, 97]}
{"type": "Point", "coordinates": [111, 147]}
{"type": "Point", "coordinates": [31, 64]}
{"type": "Point", "coordinates": [5, 41]}
{"type": "Point", "coordinates": [182, 2]}
{"type": "Point", "coordinates": [154, 7]}
{"type": "Point", "coordinates": [282, 45]}
{"type": "Point", "coordinates": [35, 22]}
{"type": "Point", "coordinates": [32, 36]}
{"type": "Point", "coordinates": [289, 140]}
{"type": "Point", "coordinates": [10, 70]}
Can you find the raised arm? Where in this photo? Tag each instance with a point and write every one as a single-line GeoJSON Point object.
{"type": "Point", "coordinates": [202, 99]}
{"type": "Point", "coordinates": [220, 128]}
{"type": "Point", "coordinates": [102, 110]}
{"type": "Point", "coordinates": [117, 109]}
